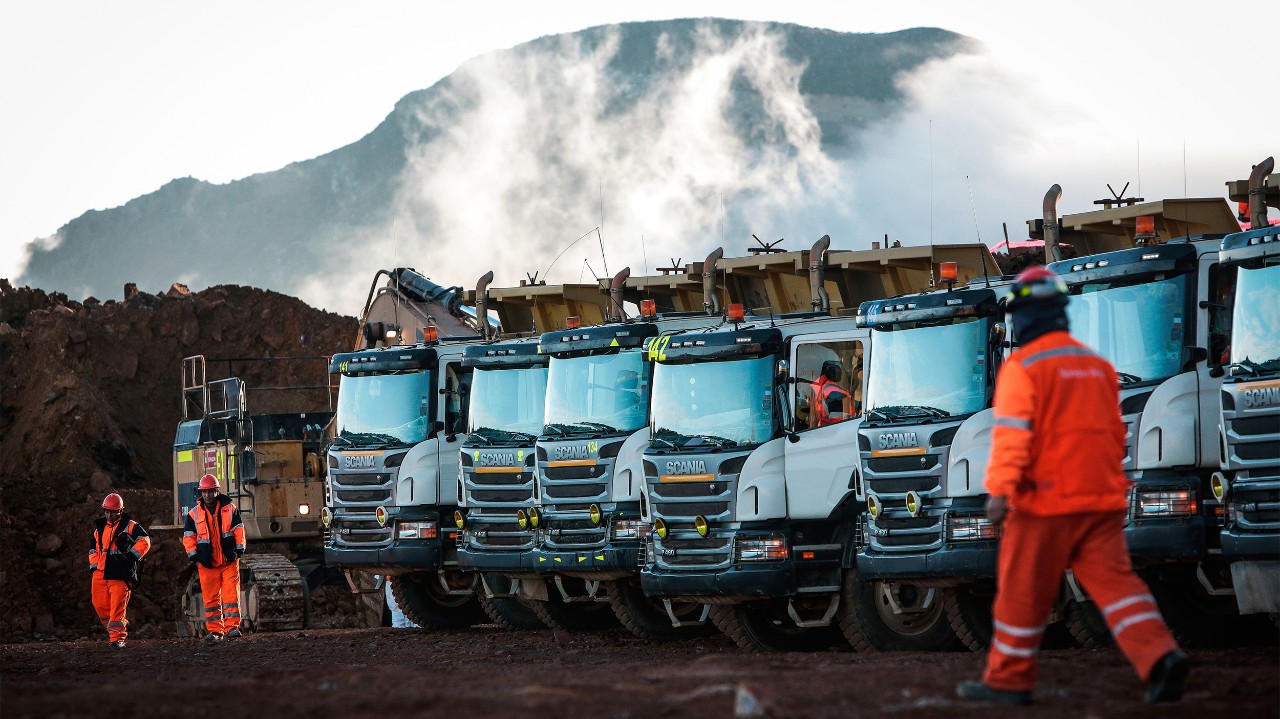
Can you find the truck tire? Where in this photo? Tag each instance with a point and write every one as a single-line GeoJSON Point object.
{"type": "Point", "coordinates": [645, 617]}
{"type": "Point", "coordinates": [590, 616]}
{"type": "Point", "coordinates": [969, 613]}
{"type": "Point", "coordinates": [426, 604]}
{"type": "Point", "coordinates": [510, 613]}
{"type": "Point", "coordinates": [1086, 624]}
{"type": "Point", "coordinates": [869, 622]}
{"type": "Point", "coordinates": [763, 626]}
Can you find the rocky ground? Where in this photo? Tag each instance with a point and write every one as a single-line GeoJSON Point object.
{"type": "Point", "coordinates": [488, 672]}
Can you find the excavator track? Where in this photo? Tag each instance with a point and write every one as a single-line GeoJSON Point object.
{"type": "Point", "coordinates": [273, 595]}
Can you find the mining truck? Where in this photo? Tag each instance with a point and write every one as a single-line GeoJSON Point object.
{"type": "Point", "coordinates": [270, 466]}
{"type": "Point", "coordinates": [1249, 480]}
{"type": "Point", "coordinates": [506, 406]}
{"type": "Point", "coordinates": [393, 459]}
{"type": "Point", "coordinates": [581, 572]}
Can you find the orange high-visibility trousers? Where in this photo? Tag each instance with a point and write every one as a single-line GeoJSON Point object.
{"type": "Point", "coordinates": [220, 587]}
{"type": "Point", "coordinates": [111, 599]}
{"type": "Point", "coordinates": [1034, 553]}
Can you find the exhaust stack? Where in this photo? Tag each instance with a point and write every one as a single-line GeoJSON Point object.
{"type": "Point", "coordinates": [1052, 230]}
{"type": "Point", "coordinates": [615, 295]}
{"type": "Point", "coordinates": [482, 305]}
{"type": "Point", "coordinates": [709, 300]}
{"type": "Point", "coordinates": [1257, 193]}
{"type": "Point", "coordinates": [817, 277]}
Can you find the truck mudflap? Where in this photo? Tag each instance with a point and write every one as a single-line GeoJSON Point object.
{"type": "Point", "coordinates": [976, 561]}
{"type": "Point", "coordinates": [1257, 585]}
{"type": "Point", "coordinates": [1173, 538]}
{"type": "Point", "coordinates": [410, 554]}
{"type": "Point", "coordinates": [610, 558]}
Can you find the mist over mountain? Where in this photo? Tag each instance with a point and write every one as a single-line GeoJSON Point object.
{"type": "Point", "coordinates": [681, 135]}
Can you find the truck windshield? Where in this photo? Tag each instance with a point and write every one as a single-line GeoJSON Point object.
{"type": "Point", "coordinates": [1255, 343]}
{"type": "Point", "coordinates": [382, 409]}
{"type": "Point", "coordinates": [713, 404]}
{"type": "Point", "coordinates": [1139, 328]}
{"type": "Point", "coordinates": [936, 370]}
{"type": "Point", "coordinates": [606, 393]}
{"type": "Point", "coordinates": [506, 404]}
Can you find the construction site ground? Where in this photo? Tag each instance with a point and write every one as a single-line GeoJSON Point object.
{"type": "Point", "coordinates": [490, 672]}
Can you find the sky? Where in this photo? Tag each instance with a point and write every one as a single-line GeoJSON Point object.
{"type": "Point", "coordinates": [104, 102]}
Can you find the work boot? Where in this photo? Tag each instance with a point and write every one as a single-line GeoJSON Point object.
{"type": "Point", "coordinates": [1168, 678]}
{"type": "Point", "coordinates": [118, 644]}
{"type": "Point", "coordinates": [980, 692]}
{"type": "Point", "coordinates": [212, 637]}
{"type": "Point", "coordinates": [234, 633]}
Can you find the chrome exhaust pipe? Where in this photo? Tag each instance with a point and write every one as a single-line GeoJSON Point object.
{"type": "Point", "coordinates": [615, 295]}
{"type": "Point", "coordinates": [1257, 193]}
{"type": "Point", "coordinates": [482, 304]}
{"type": "Point", "coordinates": [710, 302]}
{"type": "Point", "coordinates": [1052, 231]}
{"type": "Point", "coordinates": [817, 277]}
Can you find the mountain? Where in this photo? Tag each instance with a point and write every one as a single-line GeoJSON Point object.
{"type": "Point", "coordinates": [572, 108]}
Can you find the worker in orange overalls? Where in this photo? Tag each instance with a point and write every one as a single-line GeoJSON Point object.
{"type": "Point", "coordinates": [119, 543]}
{"type": "Point", "coordinates": [214, 538]}
{"type": "Point", "coordinates": [829, 397]}
{"type": "Point", "coordinates": [1056, 483]}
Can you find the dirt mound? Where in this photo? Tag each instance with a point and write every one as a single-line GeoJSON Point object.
{"type": "Point", "coordinates": [90, 397]}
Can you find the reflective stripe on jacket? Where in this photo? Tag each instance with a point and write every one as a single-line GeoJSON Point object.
{"type": "Point", "coordinates": [1058, 445]}
{"type": "Point", "coordinates": [214, 538]}
{"type": "Point", "coordinates": [117, 545]}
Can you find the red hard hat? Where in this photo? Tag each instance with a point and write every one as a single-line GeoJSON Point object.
{"type": "Point", "coordinates": [1033, 284]}
{"type": "Point", "coordinates": [113, 502]}
{"type": "Point", "coordinates": [208, 482]}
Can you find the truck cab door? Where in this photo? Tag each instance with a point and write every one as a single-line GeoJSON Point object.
{"type": "Point", "coordinates": [821, 465]}
{"type": "Point", "coordinates": [457, 392]}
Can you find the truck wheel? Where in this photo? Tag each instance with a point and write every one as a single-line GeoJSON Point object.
{"type": "Point", "coordinates": [646, 617]}
{"type": "Point", "coordinates": [426, 604]}
{"type": "Point", "coordinates": [764, 626]}
{"type": "Point", "coordinates": [510, 613]}
{"type": "Point", "coordinates": [969, 613]}
{"type": "Point", "coordinates": [1086, 625]}
{"type": "Point", "coordinates": [192, 622]}
{"type": "Point", "coordinates": [869, 620]}
{"type": "Point", "coordinates": [589, 616]}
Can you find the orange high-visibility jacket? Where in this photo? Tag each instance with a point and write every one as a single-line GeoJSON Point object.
{"type": "Point", "coordinates": [214, 538]}
{"type": "Point", "coordinates": [825, 391]}
{"type": "Point", "coordinates": [1058, 445]}
{"type": "Point", "coordinates": [116, 546]}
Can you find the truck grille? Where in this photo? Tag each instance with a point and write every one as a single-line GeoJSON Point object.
{"type": "Point", "coordinates": [713, 552]}
{"type": "Point", "coordinates": [359, 532]}
{"type": "Point", "coordinates": [900, 535]}
{"type": "Point", "coordinates": [355, 495]}
{"type": "Point", "coordinates": [496, 532]}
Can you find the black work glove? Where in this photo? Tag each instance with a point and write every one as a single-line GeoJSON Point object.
{"type": "Point", "coordinates": [125, 542]}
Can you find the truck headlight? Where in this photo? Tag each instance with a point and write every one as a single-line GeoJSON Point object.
{"type": "Point", "coordinates": [417, 530]}
{"type": "Point", "coordinates": [761, 549]}
{"type": "Point", "coordinates": [970, 528]}
{"type": "Point", "coordinates": [630, 529]}
{"type": "Point", "coordinates": [1164, 503]}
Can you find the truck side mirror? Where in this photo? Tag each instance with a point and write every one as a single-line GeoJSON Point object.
{"type": "Point", "coordinates": [1192, 356]}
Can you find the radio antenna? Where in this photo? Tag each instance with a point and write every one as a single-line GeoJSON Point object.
{"type": "Point", "coordinates": [600, 227]}
{"type": "Point", "coordinates": [973, 209]}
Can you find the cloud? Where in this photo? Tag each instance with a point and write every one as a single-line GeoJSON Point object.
{"type": "Point", "coordinates": [523, 148]}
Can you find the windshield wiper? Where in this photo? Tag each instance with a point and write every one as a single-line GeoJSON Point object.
{"type": "Point", "coordinates": [665, 441]}
{"type": "Point", "coordinates": [1126, 378]}
{"type": "Point", "coordinates": [713, 439]}
{"type": "Point", "coordinates": [597, 426]}
{"type": "Point", "coordinates": [503, 435]}
{"type": "Point", "coordinates": [899, 412]}
{"type": "Point", "coordinates": [369, 439]}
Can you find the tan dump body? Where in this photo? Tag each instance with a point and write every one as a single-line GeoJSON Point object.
{"type": "Point", "coordinates": [1115, 228]}
{"type": "Point", "coordinates": [533, 309]}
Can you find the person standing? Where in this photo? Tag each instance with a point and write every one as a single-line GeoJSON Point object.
{"type": "Point", "coordinates": [214, 539]}
{"type": "Point", "coordinates": [1057, 485]}
{"type": "Point", "coordinates": [119, 544]}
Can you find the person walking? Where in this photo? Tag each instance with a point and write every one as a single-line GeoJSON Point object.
{"type": "Point", "coordinates": [1057, 486]}
{"type": "Point", "coordinates": [214, 539]}
{"type": "Point", "coordinates": [119, 544]}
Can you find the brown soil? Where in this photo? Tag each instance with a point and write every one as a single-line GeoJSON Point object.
{"type": "Point", "coordinates": [89, 404]}
{"type": "Point", "coordinates": [487, 672]}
